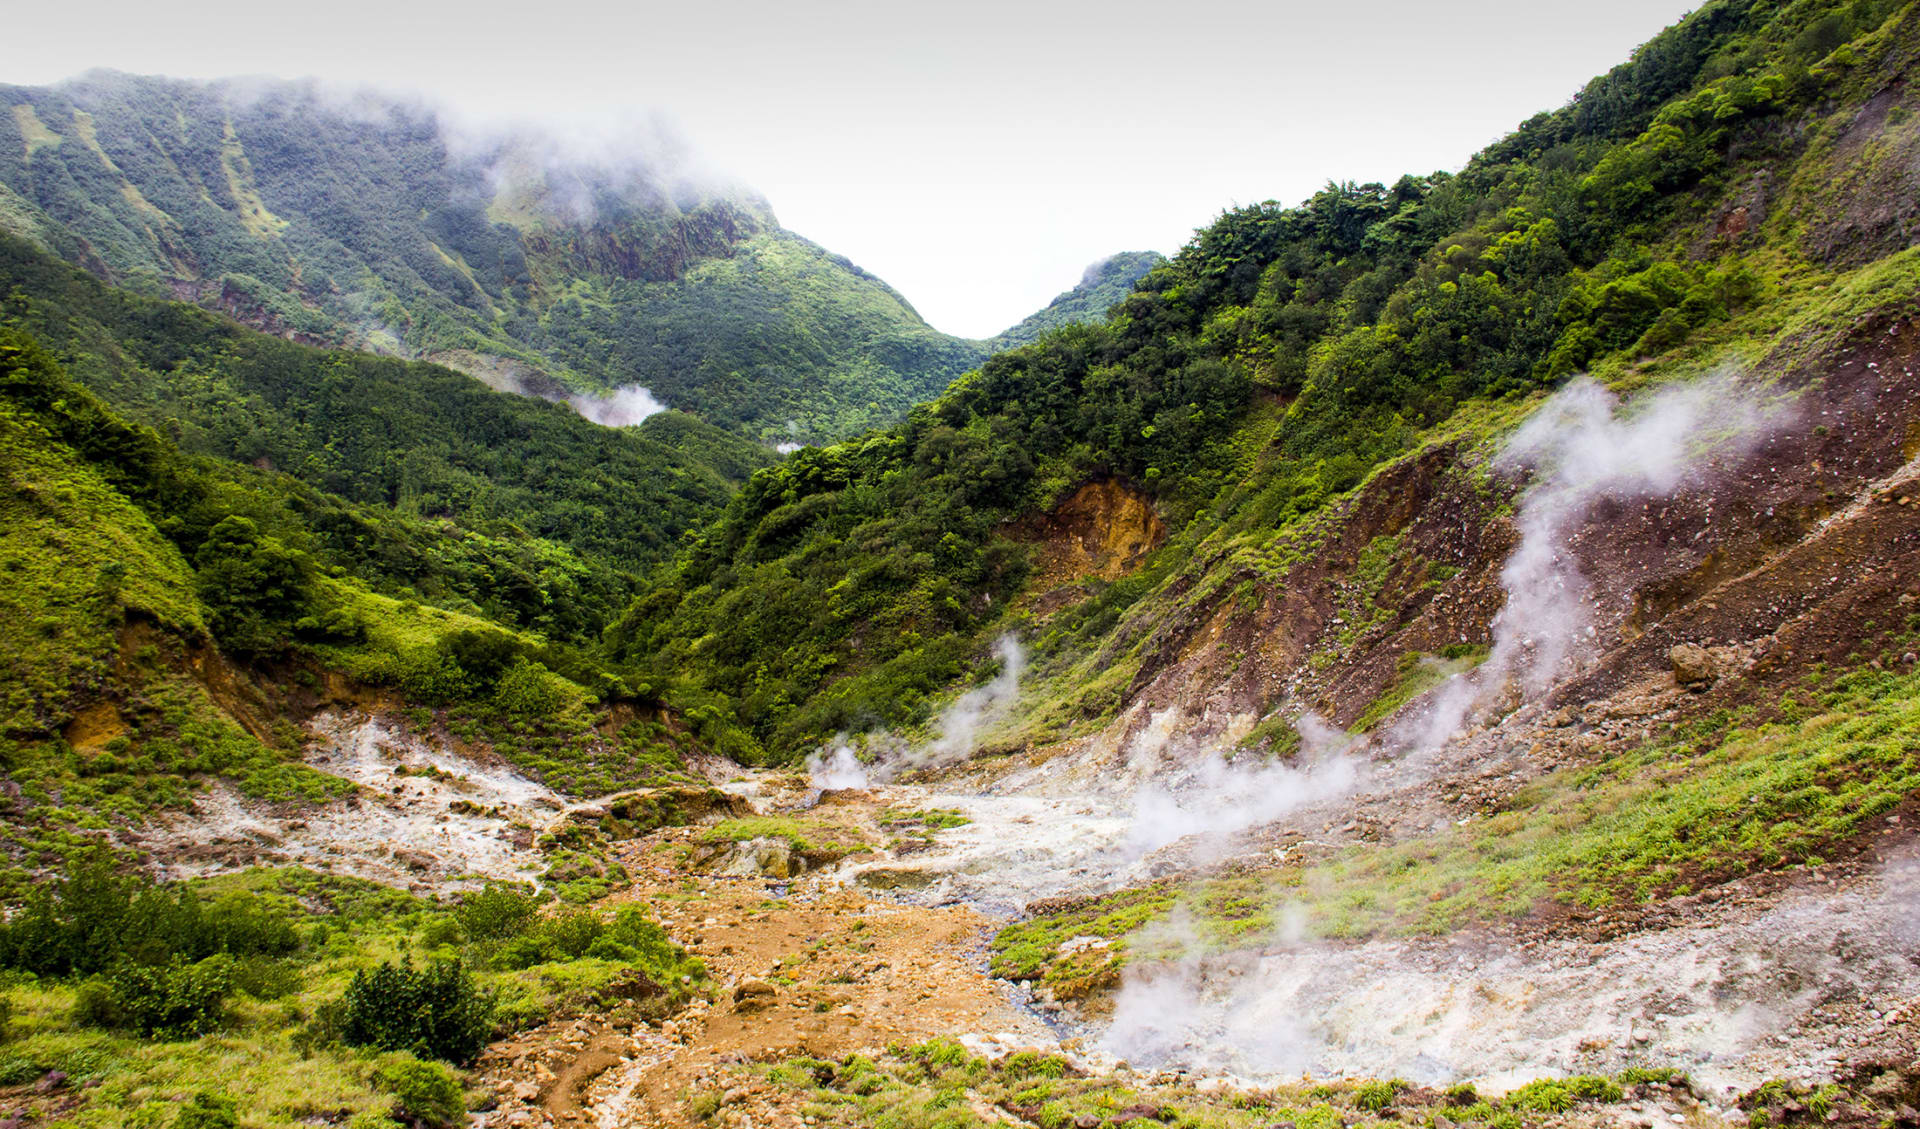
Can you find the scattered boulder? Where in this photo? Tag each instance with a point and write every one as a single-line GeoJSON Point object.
{"type": "Point", "coordinates": [633, 984]}
{"type": "Point", "coordinates": [420, 862]}
{"type": "Point", "coordinates": [754, 858]}
{"type": "Point", "coordinates": [1692, 665]}
{"type": "Point", "coordinates": [754, 995]}
{"type": "Point", "coordinates": [628, 815]}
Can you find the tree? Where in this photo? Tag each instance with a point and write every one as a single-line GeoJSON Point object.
{"type": "Point", "coordinates": [253, 585]}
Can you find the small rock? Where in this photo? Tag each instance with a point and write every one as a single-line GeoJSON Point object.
{"type": "Point", "coordinates": [53, 1080]}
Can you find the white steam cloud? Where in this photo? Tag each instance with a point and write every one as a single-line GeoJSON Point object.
{"type": "Point", "coordinates": [1212, 796]}
{"type": "Point", "coordinates": [1722, 996]}
{"type": "Point", "coordinates": [1583, 449]}
{"type": "Point", "coordinates": [1387, 1007]}
{"type": "Point", "coordinates": [959, 727]}
{"type": "Point", "coordinates": [625, 406]}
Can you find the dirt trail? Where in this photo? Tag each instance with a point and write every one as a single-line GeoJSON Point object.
{"type": "Point", "coordinates": [805, 966]}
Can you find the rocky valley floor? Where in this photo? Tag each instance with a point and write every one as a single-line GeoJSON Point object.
{"type": "Point", "coordinates": [851, 938]}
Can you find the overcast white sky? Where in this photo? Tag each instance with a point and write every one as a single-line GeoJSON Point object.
{"type": "Point", "coordinates": [975, 154]}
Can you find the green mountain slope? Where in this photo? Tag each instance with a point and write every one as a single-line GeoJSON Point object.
{"type": "Point", "coordinates": [367, 223]}
{"type": "Point", "coordinates": [1103, 285]}
{"type": "Point", "coordinates": [1686, 203]}
{"type": "Point", "coordinates": [557, 514]}
{"type": "Point", "coordinates": [171, 617]}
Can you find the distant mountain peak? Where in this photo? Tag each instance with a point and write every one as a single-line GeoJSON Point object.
{"type": "Point", "coordinates": [1101, 285]}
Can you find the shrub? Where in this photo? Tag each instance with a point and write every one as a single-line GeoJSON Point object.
{"type": "Point", "coordinates": [424, 1093]}
{"type": "Point", "coordinates": [1376, 1095]}
{"type": "Point", "coordinates": [207, 1111]}
{"type": "Point", "coordinates": [432, 1012]}
{"type": "Point", "coordinates": [941, 1054]}
{"type": "Point", "coordinates": [483, 654]}
{"type": "Point", "coordinates": [1594, 1088]}
{"type": "Point", "coordinates": [246, 925]}
{"type": "Point", "coordinates": [528, 690]}
{"type": "Point", "coordinates": [177, 1001]}
{"type": "Point", "coordinates": [1542, 1095]}
{"type": "Point", "coordinates": [253, 585]}
{"type": "Point", "coordinates": [1556, 1095]}
{"type": "Point", "coordinates": [631, 936]}
{"type": "Point", "coordinates": [265, 978]}
{"type": "Point", "coordinates": [495, 912]}
{"type": "Point", "coordinates": [1033, 1064]}
{"type": "Point", "coordinates": [567, 935]}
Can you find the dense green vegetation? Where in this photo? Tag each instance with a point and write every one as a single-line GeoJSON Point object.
{"type": "Point", "coordinates": [1266, 369]}
{"type": "Point", "coordinates": [1103, 285]}
{"type": "Point", "coordinates": [301, 992]}
{"type": "Point", "coordinates": [556, 509]}
{"type": "Point", "coordinates": [366, 226]}
{"type": "Point", "coordinates": [129, 561]}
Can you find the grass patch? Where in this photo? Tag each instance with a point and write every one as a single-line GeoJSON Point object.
{"type": "Point", "coordinates": [1706, 805]}
{"type": "Point", "coordinates": [818, 841]}
{"type": "Point", "coordinates": [940, 1085]}
{"type": "Point", "coordinates": [1419, 673]}
{"type": "Point", "coordinates": [275, 1051]}
{"type": "Point", "coordinates": [1026, 949]}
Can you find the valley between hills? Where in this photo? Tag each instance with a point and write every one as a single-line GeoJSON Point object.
{"type": "Point", "coordinates": [493, 638]}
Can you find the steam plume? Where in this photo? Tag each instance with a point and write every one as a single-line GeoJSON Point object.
{"type": "Point", "coordinates": [625, 406]}
{"type": "Point", "coordinates": [1582, 449]}
{"type": "Point", "coordinates": [959, 728]}
{"type": "Point", "coordinates": [1214, 796]}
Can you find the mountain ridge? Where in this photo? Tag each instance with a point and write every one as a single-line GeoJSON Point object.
{"type": "Point", "coordinates": [367, 222]}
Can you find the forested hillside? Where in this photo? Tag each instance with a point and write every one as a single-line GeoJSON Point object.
{"type": "Point", "coordinates": [403, 474]}
{"type": "Point", "coordinates": [1678, 206]}
{"type": "Point", "coordinates": [359, 221]}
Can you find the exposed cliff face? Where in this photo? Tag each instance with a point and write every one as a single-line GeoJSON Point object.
{"type": "Point", "coordinates": [1103, 530]}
